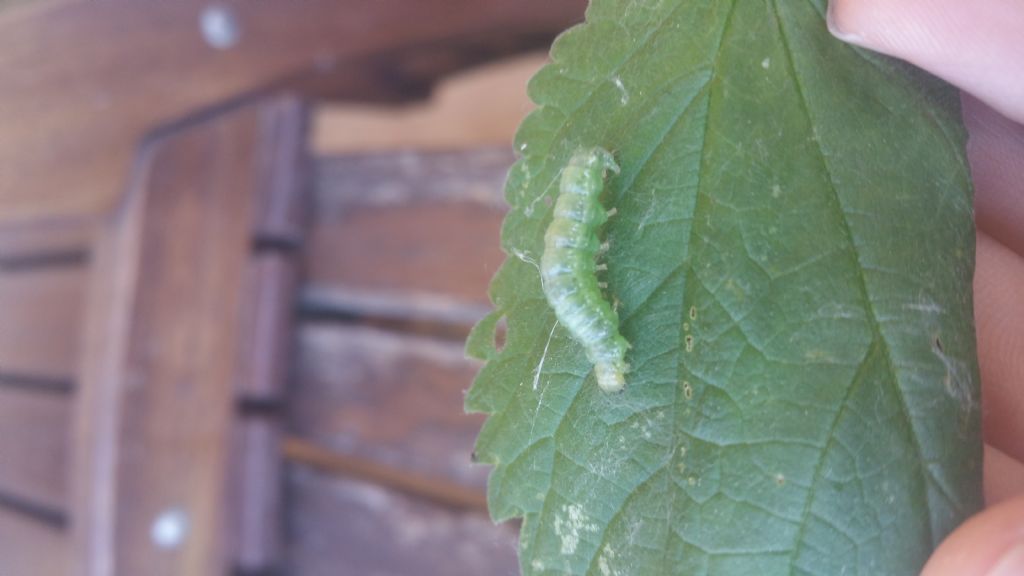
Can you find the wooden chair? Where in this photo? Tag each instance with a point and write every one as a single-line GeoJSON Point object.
{"type": "Point", "coordinates": [218, 353]}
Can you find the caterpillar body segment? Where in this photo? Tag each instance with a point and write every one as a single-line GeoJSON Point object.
{"type": "Point", "coordinates": [569, 270]}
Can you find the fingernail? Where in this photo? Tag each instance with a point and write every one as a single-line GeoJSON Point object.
{"type": "Point", "coordinates": [1011, 563]}
{"type": "Point", "coordinates": [833, 27]}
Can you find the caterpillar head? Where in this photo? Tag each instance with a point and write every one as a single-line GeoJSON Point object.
{"type": "Point", "coordinates": [595, 158]}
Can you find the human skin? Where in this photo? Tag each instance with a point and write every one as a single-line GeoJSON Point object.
{"type": "Point", "coordinates": [977, 45]}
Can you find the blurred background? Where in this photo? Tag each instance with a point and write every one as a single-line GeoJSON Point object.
{"type": "Point", "coordinates": [241, 245]}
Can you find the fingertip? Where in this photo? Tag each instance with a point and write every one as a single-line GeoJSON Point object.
{"type": "Point", "coordinates": [998, 316]}
{"type": "Point", "coordinates": [1004, 477]}
{"type": "Point", "coordinates": [839, 20]}
{"type": "Point", "coordinates": [901, 28]}
{"type": "Point", "coordinates": [970, 44]}
{"type": "Point", "coordinates": [996, 152]}
{"type": "Point", "coordinates": [989, 544]}
{"type": "Point", "coordinates": [1010, 564]}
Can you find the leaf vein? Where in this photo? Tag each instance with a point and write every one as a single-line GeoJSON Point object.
{"type": "Point", "coordinates": [862, 282]}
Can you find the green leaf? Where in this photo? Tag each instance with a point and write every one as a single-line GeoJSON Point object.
{"type": "Point", "coordinates": [800, 212]}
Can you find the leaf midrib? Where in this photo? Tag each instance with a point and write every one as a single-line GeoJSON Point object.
{"type": "Point", "coordinates": [561, 421]}
{"type": "Point", "coordinates": [862, 288]}
{"type": "Point", "coordinates": [677, 404]}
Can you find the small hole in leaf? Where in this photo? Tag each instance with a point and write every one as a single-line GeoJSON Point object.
{"type": "Point", "coordinates": [500, 332]}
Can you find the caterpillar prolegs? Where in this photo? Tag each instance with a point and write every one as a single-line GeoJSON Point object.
{"type": "Point", "coordinates": [569, 270]}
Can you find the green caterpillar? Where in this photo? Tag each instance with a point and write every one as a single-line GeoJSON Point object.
{"type": "Point", "coordinates": [569, 272]}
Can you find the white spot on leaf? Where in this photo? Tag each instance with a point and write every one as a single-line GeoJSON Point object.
{"type": "Point", "coordinates": [604, 562]}
{"type": "Point", "coordinates": [570, 527]}
{"type": "Point", "coordinates": [623, 93]}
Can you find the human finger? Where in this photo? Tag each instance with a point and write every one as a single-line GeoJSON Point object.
{"type": "Point", "coordinates": [999, 319]}
{"type": "Point", "coordinates": [976, 45]}
{"type": "Point", "coordinates": [996, 152]}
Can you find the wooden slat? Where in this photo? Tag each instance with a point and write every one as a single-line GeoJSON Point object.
{"type": "Point", "coordinates": [71, 124]}
{"type": "Point", "coordinates": [395, 477]}
{"type": "Point", "coordinates": [34, 438]}
{"type": "Point", "coordinates": [256, 491]}
{"type": "Point", "coordinates": [268, 308]}
{"type": "Point", "coordinates": [45, 242]}
{"type": "Point", "coordinates": [267, 332]}
{"type": "Point", "coordinates": [164, 347]}
{"type": "Point", "coordinates": [338, 526]}
{"type": "Point", "coordinates": [282, 163]}
{"type": "Point", "coordinates": [278, 230]}
{"type": "Point", "coordinates": [40, 312]}
{"type": "Point", "coordinates": [28, 548]}
{"type": "Point", "coordinates": [386, 397]}
{"type": "Point", "coordinates": [407, 235]}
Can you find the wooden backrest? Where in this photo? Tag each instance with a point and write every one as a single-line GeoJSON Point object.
{"type": "Point", "coordinates": [153, 248]}
{"type": "Point", "coordinates": [42, 290]}
{"type": "Point", "coordinates": [400, 253]}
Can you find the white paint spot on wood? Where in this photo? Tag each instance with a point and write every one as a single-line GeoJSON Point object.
{"type": "Point", "coordinates": [219, 26]}
{"type": "Point", "coordinates": [169, 529]}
